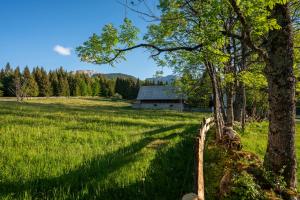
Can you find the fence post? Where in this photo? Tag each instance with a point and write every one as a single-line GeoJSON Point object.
{"type": "Point", "coordinates": [199, 158]}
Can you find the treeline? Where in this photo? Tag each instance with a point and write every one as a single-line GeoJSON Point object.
{"type": "Point", "coordinates": [59, 82]}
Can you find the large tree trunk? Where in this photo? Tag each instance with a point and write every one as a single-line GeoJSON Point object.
{"type": "Point", "coordinates": [219, 121]}
{"type": "Point", "coordinates": [230, 69]}
{"type": "Point", "coordinates": [229, 106]}
{"type": "Point", "coordinates": [243, 89]}
{"type": "Point", "coordinates": [280, 153]}
{"type": "Point", "coordinates": [244, 103]}
{"type": "Point", "coordinates": [238, 102]}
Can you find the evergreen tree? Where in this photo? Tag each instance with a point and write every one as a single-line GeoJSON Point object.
{"type": "Point", "coordinates": [63, 84]}
{"type": "Point", "coordinates": [17, 88]}
{"type": "Point", "coordinates": [30, 86]}
{"type": "Point", "coordinates": [107, 87]}
{"type": "Point", "coordinates": [127, 88]}
{"type": "Point", "coordinates": [89, 85]}
{"type": "Point", "coordinates": [54, 83]}
{"type": "Point", "coordinates": [74, 81]}
{"type": "Point", "coordinates": [1, 89]}
{"type": "Point", "coordinates": [7, 80]}
{"type": "Point", "coordinates": [83, 87]}
{"type": "Point", "coordinates": [95, 87]}
{"type": "Point", "coordinates": [42, 80]}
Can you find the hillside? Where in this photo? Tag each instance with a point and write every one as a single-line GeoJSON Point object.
{"type": "Point", "coordinates": [116, 75]}
{"type": "Point", "coordinates": [166, 79]}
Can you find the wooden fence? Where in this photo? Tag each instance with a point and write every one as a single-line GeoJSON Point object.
{"type": "Point", "coordinates": [199, 155]}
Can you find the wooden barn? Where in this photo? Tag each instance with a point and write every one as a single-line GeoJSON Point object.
{"type": "Point", "coordinates": [160, 97]}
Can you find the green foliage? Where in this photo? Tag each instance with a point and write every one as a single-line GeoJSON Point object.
{"type": "Point", "coordinates": [256, 91]}
{"type": "Point", "coordinates": [244, 188]}
{"type": "Point", "coordinates": [31, 87]}
{"type": "Point", "coordinates": [61, 83]}
{"type": "Point", "coordinates": [1, 89]}
{"type": "Point", "coordinates": [107, 88]}
{"type": "Point", "coordinates": [7, 80]}
{"type": "Point", "coordinates": [42, 80]}
{"type": "Point", "coordinates": [83, 88]}
{"type": "Point", "coordinates": [197, 87]}
{"type": "Point", "coordinates": [127, 88]}
{"type": "Point", "coordinates": [215, 161]}
{"type": "Point", "coordinates": [95, 87]}
{"type": "Point", "coordinates": [275, 181]}
{"type": "Point", "coordinates": [102, 48]}
{"type": "Point", "coordinates": [253, 80]}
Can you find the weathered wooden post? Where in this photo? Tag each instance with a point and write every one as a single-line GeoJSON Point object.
{"type": "Point", "coordinates": [199, 158]}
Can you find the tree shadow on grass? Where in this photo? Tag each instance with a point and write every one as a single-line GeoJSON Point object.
{"type": "Point", "coordinates": [169, 175]}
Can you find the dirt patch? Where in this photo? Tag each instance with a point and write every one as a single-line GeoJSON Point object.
{"type": "Point", "coordinates": [157, 144]}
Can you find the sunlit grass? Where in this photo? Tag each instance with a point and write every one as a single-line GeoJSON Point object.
{"type": "Point", "coordinates": [94, 148]}
{"type": "Point", "coordinates": [255, 139]}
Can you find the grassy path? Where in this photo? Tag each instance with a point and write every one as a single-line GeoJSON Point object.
{"type": "Point", "coordinates": [94, 149]}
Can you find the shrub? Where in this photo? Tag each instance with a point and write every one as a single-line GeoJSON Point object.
{"type": "Point", "coordinates": [244, 188]}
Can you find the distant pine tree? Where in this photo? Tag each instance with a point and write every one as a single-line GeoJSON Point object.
{"type": "Point", "coordinates": [1, 89]}
{"type": "Point", "coordinates": [42, 80]}
{"type": "Point", "coordinates": [63, 84]}
{"type": "Point", "coordinates": [30, 86]}
{"type": "Point", "coordinates": [127, 88]}
{"type": "Point", "coordinates": [95, 87]}
{"type": "Point", "coordinates": [54, 84]}
{"type": "Point", "coordinates": [7, 80]}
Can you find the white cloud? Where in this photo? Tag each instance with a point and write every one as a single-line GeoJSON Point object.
{"type": "Point", "coordinates": [64, 51]}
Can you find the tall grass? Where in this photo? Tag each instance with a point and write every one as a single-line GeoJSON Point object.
{"type": "Point", "coordinates": [255, 139]}
{"type": "Point", "coordinates": [94, 149]}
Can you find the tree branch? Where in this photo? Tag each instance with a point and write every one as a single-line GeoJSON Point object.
{"type": "Point", "coordinates": [246, 36]}
{"type": "Point", "coordinates": [156, 48]}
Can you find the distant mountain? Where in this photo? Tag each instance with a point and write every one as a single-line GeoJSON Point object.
{"type": "Point", "coordinates": [166, 79]}
{"type": "Point", "coordinates": [88, 72]}
{"type": "Point", "coordinates": [109, 75]}
{"type": "Point", "coordinates": [116, 75]}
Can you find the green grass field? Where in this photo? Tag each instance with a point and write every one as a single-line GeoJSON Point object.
{"type": "Point", "coordinates": [255, 139]}
{"type": "Point", "coordinates": [94, 149]}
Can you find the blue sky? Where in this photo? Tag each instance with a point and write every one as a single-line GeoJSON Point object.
{"type": "Point", "coordinates": [31, 29]}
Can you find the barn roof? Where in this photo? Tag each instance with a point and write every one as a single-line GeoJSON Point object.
{"type": "Point", "coordinates": [159, 92]}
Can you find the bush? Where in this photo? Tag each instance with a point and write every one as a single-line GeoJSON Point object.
{"type": "Point", "coordinates": [244, 188]}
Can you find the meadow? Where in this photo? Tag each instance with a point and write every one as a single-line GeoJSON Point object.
{"type": "Point", "coordinates": [255, 138]}
{"type": "Point", "coordinates": [92, 148]}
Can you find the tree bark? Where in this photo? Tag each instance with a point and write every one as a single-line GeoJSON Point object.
{"type": "Point", "coordinates": [238, 102]}
{"type": "Point", "coordinates": [229, 109]}
{"type": "Point", "coordinates": [244, 103]}
{"type": "Point", "coordinates": [230, 69]}
{"type": "Point", "coordinates": [243, 89]}
{"type": "Point", "coordinates": [219, 121]}
{"type": "Point", "coordinates": [280, 155]}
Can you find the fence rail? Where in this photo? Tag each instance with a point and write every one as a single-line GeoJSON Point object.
{"type": "Point", "coordinates": [199, 157]}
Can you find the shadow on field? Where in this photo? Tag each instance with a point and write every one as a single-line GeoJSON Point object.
{"type": "Point", "coordinates": [169, 175]}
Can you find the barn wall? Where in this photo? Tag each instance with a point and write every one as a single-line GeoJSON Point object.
{"type": "Point", "coordinates": [170, 106]}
